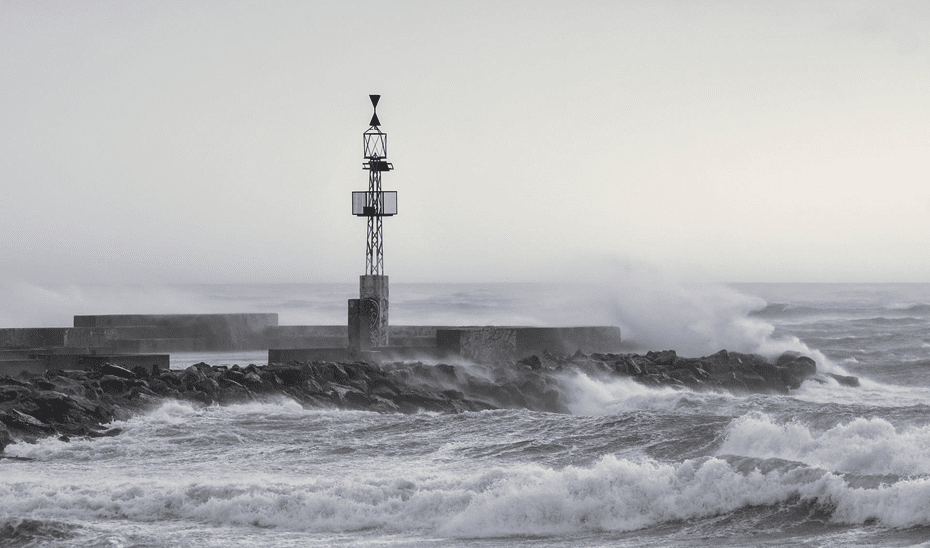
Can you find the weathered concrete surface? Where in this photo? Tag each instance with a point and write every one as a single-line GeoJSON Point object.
{"type": "Point", "coordinates": [379, 355]}
{"type": "Point", "coordinates": [368, 326]}
{"type": "Point", "coordinates": [374, 308]}
{"type": "Point", "coordinates": [33, 337]}
{"type": "Point", "coordinates": [492, 343]}
{"type": "Point", "coordinates": [306, 336]}
{"type": "Point", "coordinates": [77, 337]}
{"type": "Point", "coordinates": [218, 331]}
{"type": "Point", "coordinates": [479, 344]}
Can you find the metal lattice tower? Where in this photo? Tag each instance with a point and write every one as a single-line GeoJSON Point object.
{"type": "Point", "coordinates": [375, 203]}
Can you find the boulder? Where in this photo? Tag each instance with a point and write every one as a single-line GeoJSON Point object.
{"type": "Point", "coordinates": [13, 392]}
{"type": "Point", "coordinates": [51, 406]}
{"type": "Point", "coordinates": [116, 371]}
{"type": "Point", "coordinates": [799, 368]}
{"type": "Point", "coordinates": [5, 438]}
{"type": "Point", "coordinates": [845, 380]}
{"type": "Point", "coordinates": [717, 363]}
{"type": "Point", "coordinates": [67, 385]}
{"type": "Point", "coordinates": [533, 362]}
{"type": "Point", "coordinates": [111, 384]}
{"type": "Point", "coordinates": [664, 357]}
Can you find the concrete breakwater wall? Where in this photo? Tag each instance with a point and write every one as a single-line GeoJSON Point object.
{"type": "Point", "coordinates": [139, 333]}
{"type": "Point", "coordinates": [132, 334]}
{"type": "Point", "coordinates": [478, 344]}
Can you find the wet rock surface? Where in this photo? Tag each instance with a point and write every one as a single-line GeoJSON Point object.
{"type": "Point", "coordinates": [78, 403]}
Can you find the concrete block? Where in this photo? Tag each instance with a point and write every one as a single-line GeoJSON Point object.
{"type": "Point", "coordinates": [221, 332]}
{"type": "Point", "coordinates": [77, 337]}
{"type": "Point", "coordinates": [480, 344]}
{"type": "Point", "coordinates": [385, 354]}
{"type": "Point", "coordinates": [505, 343]}
{"type": "Point", "coordinates": [355, 325]}
{"type": "Point", "coordinates": [568, 340]}
{"type": "Point", "coordinates": [150, 346]}
{"type": "Point", "coordinates": [32, 337]}
{"type": "Point", "coordinates": [307, 336]}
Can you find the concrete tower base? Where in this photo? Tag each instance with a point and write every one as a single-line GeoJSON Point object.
{"type": "Point", "coordinates": [368, 315]}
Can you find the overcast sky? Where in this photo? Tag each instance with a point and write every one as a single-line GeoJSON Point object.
{"type": "Point", "coordinates": [163, 142]}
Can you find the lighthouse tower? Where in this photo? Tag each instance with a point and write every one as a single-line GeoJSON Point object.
{"type": "Point", "coordinates": [368, 315]}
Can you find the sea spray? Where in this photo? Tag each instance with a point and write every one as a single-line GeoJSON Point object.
{"type": "Point", "coordinates": [862, 446]}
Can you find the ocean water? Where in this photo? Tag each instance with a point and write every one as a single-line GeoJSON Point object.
{"type": "Point", "coordinates": [826, 465]}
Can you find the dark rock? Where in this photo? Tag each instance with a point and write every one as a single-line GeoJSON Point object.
{"type": "Point", "coordinates": [289, 375]}
{"type": "Point", "coordinates": [269, 379]}
{"type": "Point", "coordinates": [383, 388]}
{"type": "Point", "coordinates": [235, 375]}
{"type": "Point", "coordinates": [845, 380]}
{"type": "Point", "coordinates": [533, 362]}
{"type": "Point", "coordinates": [116, 371]}
{"type": "Point", "coordinates": [51, 406]}
{"type": "Point", "coordinates": [632, 369]}
{"type": "Point", "coordinates": [453, 394]}
{"type": "Point", "coordinates": [207, 386]}
{"type": "Point", "coordinates": [5, 438]}
{"type": "Point", "coordinates": [252, 380]}
{"type": "Point", "coordinates": [683, 375]}
{"type": "Point", "coordinates": [111, 384]}
{"type": "Point", "coordinates": [143, 372]}
{"type": "Point", "coordinates": [697, 371]}
{"type": "Point", "coordinates": [67, 385]}
{"type": "Point", "coordinates": [10, 381]}
{"type": "Point", "coordinates": [14, 392]}
{"type": "Point", "coordinates": [444, 371]}
{"type": "Point", "coordinates": [664, 357]}
{"type": "Point", "coordinates": [799, 368]}
{"type": "Point", "coordinates": [24, 422]}
{"type": "Point", "coordinates": [717, 363]}
{"type": "Point", "coordinates": [42, 384]}
{"type": "Point", "coordinates": [786, 357]}
{"type": "Point", "coordinates": [170, 378]}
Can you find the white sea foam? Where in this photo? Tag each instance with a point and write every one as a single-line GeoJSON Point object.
{"type": "Point", "coordinates": [869, 392]}
{"type": "Point", "coordinates": [588, 396]}
{"type": "Point", "coordinates": [861, 446]}
{"type": "Point", "coordinates": [612, 495]}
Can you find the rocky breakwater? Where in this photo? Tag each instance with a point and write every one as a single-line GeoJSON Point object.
{"type": "Point", "coordinates": [79, 403]}
{"type": "Point", "coordinates": [731, 371]}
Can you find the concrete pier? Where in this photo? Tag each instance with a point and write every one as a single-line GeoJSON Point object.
{"type": "Point", "coordinates": [134, 339]}
{"type": "Point", "coordinates": [480, 344]}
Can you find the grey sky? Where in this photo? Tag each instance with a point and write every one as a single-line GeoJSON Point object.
{"type": "Point", "coordinates": [219, 141]}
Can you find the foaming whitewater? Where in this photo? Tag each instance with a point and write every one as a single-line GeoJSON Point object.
{"type": "Point", "coordinates": [589, 396]}
{"type": "Point", "coordinates": [623, 465]}
{"type": "Point", "coordinates": [861, 446]}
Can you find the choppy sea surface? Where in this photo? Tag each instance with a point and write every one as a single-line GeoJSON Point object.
{"type": "Point", "coordinates": [827, 465]}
